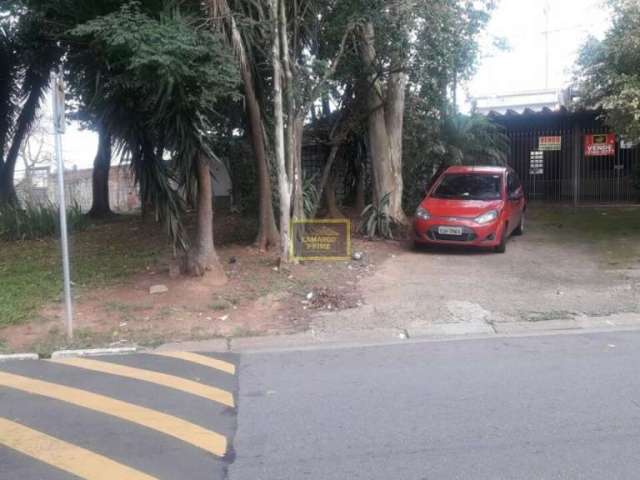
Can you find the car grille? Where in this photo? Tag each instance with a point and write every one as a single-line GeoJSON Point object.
{"type": "Point", "coordinates": [467, 235]}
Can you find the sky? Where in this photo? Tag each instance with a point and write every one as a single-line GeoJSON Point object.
{"type": "Point", "coordinates": [520, 22]}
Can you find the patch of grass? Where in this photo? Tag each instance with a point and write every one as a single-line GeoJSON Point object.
{"type": "Point", "coordinates": [220, 305]}
{"type": "Point", "coordinates": [239, 332]}
{"type": "Point", "coordinates": [614, 232]}
{"type": "Point", "coordinates": [57, 340]}
{"type": "Point", "coordinates": [547, 316]}
{"type": "Point", "coordinates": [37, 221]}
{"type": "Point", "coordinates": [127, 312]}
{"type": "Point", "coordinates": [31, 270]}
{"type": "Point", "coordinates": [165, 312]}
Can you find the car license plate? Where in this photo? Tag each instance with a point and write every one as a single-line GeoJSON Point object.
{"type": "Point", "coordinates": [450, 231]}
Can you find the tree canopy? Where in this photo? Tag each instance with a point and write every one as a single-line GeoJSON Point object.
{"type": "Point", "coordinates": [161, 80]}
{"type": "Point", "coordinates": [607, 73]}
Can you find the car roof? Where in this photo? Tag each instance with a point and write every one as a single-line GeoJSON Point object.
{"type": "Point", "coordinates": [475, 169]}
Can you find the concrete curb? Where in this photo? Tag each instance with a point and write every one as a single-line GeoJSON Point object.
{"type": "Point", "coordinates": [19, 356]}
{"type": "Point", "coordinates": [94, 352]}
{"type": "Point", "coordinates": [312, 340]}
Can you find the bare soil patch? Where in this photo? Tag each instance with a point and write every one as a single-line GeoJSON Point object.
{"type": "Point", "coordinates": [259, 297]}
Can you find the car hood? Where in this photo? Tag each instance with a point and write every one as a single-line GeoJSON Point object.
{"type": "Point", "coordinates": [440, 207]}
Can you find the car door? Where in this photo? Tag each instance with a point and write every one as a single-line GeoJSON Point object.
{"type": "Point", "coordinates": [514, 196]}
{"type": "Point", "coordinates": [515, 200]}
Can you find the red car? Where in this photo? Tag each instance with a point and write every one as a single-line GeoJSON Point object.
{"type": "Point", "coordinates": [475, 206]}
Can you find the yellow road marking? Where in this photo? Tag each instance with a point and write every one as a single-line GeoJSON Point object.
{"type": "Point", "coordinates": [181, 429]}
{"type": "Point", "coordinates": [189, 386]}
{"type": "Point", "coordinates": [201, 360]}
{"type": "Point", "coordinates": [65, 456]}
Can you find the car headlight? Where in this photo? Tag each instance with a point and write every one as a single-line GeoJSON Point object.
{"type": "Point", "coordinates": [423, 214]}
{"type": "Point", "coordinates": [487, 217]}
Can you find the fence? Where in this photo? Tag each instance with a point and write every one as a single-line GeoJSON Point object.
{"type": "Point", "coordinates": [41, 187]}
{"type": "Point", "coordinates": [553, 165]}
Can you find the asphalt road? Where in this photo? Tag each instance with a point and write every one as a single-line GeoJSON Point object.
{"type": "Point", "coordinates": [118, 417]}
{"type": "Point", "coordinates": [551, 407]}
{"type": "Point", "coordinates": [548, 407]}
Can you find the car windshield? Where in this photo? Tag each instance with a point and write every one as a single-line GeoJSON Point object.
{"type": "Point", "coordinates": [469, 186]}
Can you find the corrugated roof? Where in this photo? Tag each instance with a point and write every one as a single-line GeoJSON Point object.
{"type": "Point", "coordinates": [562, 111]}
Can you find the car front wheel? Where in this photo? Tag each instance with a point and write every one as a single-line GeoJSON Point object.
{"type": "Point", "coordinates": [502, 246]}
{"type": "Point", "coordinates": [520, 229]}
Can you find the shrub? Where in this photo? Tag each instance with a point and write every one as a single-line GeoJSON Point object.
{"type": "Point", "coordinates": [376, 222]}
{"type": "Point", "coordinates": [635, 180]}
{"type": "Point", "coordinates": [310, 195]}
{"type": "Point", "coordinates": [37, 221]}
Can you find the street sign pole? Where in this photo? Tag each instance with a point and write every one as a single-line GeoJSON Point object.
{"type": "Point", "coordinates": [58, 130]}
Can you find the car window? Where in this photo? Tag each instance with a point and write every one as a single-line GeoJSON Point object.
{"type": "Point", "coordinates": [511, 183]}
{"type": "Point", "coordinates": [517, 180]}
{"type": "Point", "coordinates": [469, 186]}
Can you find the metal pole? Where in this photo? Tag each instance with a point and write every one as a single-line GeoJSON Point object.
{"type": "Point", "coordinates": [64, 241]}
{"type": "Point", "coordinates": [577, 155]}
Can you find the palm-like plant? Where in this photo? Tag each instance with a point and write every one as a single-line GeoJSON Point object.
{"type": "Point", "coordinates": [474, 140]}
{"type": "Point", "coordinates": [376, 222]}
{"type": "Point", "coordinates": [164, 75]}
{"type": "Point", "coordinates": [27, 56]}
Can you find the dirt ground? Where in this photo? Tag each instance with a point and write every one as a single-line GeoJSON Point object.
{"type": "Point", "coordinates": [550, 273]}
{"type": "Point", "coordinates": [547, 274]}
{"type": "Point", "coordinates": [259, 298]}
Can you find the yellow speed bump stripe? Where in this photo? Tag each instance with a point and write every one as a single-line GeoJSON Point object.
{"type": "Point", "coordinates": [221, 365]}
{"type": "Point", "coordinates": [65, 456]}
{"type": "Point", "coordinates": [181, 429]}
{"type": "Point", "coordinates": [170, 381]}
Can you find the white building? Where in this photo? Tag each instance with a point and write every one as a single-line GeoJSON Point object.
{"type": "Point", "coordinates": [518, 102]}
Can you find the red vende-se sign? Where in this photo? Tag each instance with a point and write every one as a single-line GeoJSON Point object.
{"type": "Point", "coordinates": [600, 145]}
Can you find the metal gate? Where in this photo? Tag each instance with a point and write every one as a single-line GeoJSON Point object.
{"type": "Point", "coordinates": [546, 174]}
{"type": "Point", "coordinates": [608, 179]}
{"type": "Point", "coordinates": [565, 174]}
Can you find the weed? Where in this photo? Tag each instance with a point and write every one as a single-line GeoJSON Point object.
{"type": "Point", "coordinates": [31, 270]}
{"type": "Point", "coordinates": [220, 305]}
{"type": "Point", "coordinates": [376, 222]}
{"type": "Point", "coordinates": [37, 221]}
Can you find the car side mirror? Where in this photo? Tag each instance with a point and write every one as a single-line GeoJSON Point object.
{"type": "Point", "coordinates": [517, 195]}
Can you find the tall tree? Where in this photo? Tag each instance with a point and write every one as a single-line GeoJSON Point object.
{"type": "Point", "coordinates": [221, 15]}
{"type": "Point", "coordinates": [301, 73]}
{"type": "Point", "coordinates": [424, 48]}
{"type": "Point", "coordinates": [100, 206]}
{"type": "Point", "coordinates": [165, 74]}
{"type": "Point", "coordinates": [607, 72]}
{"type": "Point", "coordinates": [27, 57]}
{"type": "Point", "coordinates": [84, 72]}
{"type": "Point", "coordinates": [385, 122]}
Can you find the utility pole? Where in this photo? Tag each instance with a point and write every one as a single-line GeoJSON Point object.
{"type": "Point", "coordinates": [57, 90]}
{"type": "Point", "coordinates": [547, 11]}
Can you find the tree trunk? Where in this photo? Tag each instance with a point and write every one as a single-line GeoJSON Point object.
{"type": "Point", "coordinates": [385, 129]}
{"type": "Point", "coordinates": [330, 198]}
{"type": "Point", "coordinates": [202, 256]}
{"type": "Point", "coordinates": [23, 123]}
{"type": "Point", "coordinates": [7, 190]}
{"type": "Point", "coordinates": [296, 130]}
{"type": "Point", "coordinates": [267, 231]}
{"type": "Point", "coordinates": [394, 118]}
{"type": "Point", "coordinates": [361, 188]}
{"type": "Point", "coordinates": [100, 178]}
{"type": "Point", "coordinates": [284, 185]}
{"type": "Point", "coordinates": [326, 176]}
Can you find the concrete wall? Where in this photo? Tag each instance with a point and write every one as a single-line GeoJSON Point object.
{"type": "Point", "coordinates": [123, 194]}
